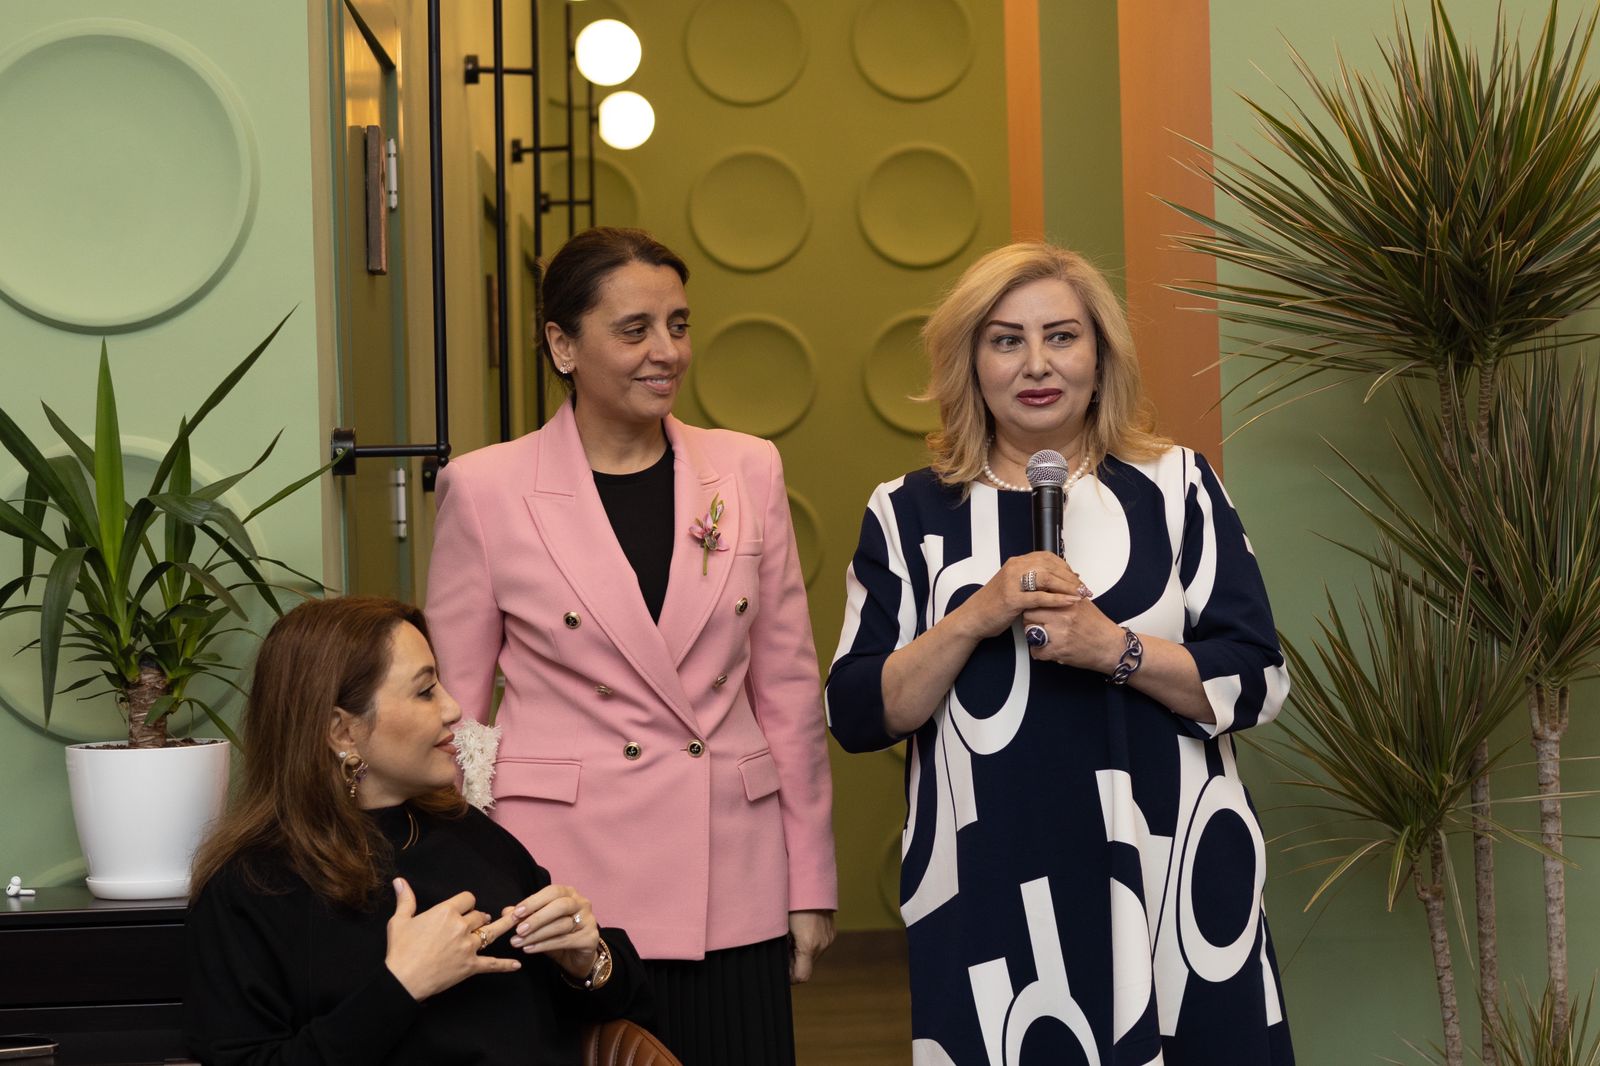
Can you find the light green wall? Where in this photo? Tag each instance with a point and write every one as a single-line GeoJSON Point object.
{"type": "Point", "coordinates": [1358, 980]}
{"type": "Point", "coordinates": [166, 366]}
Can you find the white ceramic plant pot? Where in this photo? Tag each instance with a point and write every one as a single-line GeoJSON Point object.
{"type": "Point", "coordinates": [141, 813]}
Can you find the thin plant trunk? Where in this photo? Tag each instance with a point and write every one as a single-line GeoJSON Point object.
{"type": "Point", "coordinates": [136, 705]}
{"type": "Point", "coordinates": [1482, 830]}
{"type": "Point", "coordinates": [1486, 382]}
{"type": "Point", "coordinates": [1548, 710]}
{"type": "Point", "coordinates": [1447, 417]}
{"type": "Point", "coordinates": [1483, 881]}
{"type": "Point", "coordinates": [1432, 896]}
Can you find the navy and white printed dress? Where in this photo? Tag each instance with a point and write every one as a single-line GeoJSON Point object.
{"type": "Point", "coordinates": [1081, 868]}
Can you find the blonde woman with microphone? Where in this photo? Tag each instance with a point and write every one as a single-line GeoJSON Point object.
{"type": "Point", "coordinates": [1082, 868]}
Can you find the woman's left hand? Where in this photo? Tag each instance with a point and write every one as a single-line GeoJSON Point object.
{"type": "Point", "coordinates": [810, 933]}
{"type": "Point", "coordinates": [557, 921]}
{"type": "Point", "coordinates": [1080, 633]}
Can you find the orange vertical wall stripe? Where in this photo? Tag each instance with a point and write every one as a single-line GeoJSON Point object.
{"type": "Point", "coordinates": [1164, 47]}
{"type": "Point", "coordinates": [1024, 128]}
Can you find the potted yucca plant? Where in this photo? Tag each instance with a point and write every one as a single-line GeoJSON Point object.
{"type": "Point", "coordinates": [142, 591]}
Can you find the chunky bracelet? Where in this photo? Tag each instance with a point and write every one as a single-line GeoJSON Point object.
{"type": "Point", "coordinates": [599, 973]}
{"type": "Point", "coordinates": [1132, 656]}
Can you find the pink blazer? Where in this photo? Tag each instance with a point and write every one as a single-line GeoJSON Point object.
{"type": "Point", "coordinates": [676, 774]}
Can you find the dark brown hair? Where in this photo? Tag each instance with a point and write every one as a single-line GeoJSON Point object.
{"type": "Point", "coordinates": [572, 280]}
{"type": "Point", "coordinates": [292, 800]}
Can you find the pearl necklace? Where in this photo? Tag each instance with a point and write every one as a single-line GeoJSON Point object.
{"type": "Point", "coordinates": [1066, 486]}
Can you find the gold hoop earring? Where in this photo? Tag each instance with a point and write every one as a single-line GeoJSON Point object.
{"type": "Point", "coordinates": [353, 768]}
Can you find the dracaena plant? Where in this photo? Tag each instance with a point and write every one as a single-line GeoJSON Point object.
{"type": "Point", "coordinates": [1532, 1032]}
{"type": "Point", "coordinates": [142, 591]}
{"type": "Point", "coordinates": [1518, 516]}
{"type": "Point", "coordinates": [1389, 716]}
{"type": "Point", "coordinates": [1428, 221]}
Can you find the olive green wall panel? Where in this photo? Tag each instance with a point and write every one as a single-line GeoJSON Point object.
{"type": "Point", "coordinates": [1081, 123]}
{"type": "Point", "coordinates": [826, 169]}
{"type": "Point", "coordinates": [156, 192]}
{"type": "Point", "coordinates": [1358, 980]}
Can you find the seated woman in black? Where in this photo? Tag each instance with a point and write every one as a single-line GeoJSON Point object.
{"type": "Point", "coordinates": [350, 908]}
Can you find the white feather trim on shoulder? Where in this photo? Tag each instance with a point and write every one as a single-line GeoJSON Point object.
{"type": "Point", "coordinates": [476, 747]}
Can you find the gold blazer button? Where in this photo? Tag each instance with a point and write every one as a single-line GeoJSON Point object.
{"type": "Point", "coordinates": [696, 748]}
{"type": "Point", "coordinates": [631, 750]}
{"type": "Point", "coordinates": [572, 619]}
{"type": "Point", "coordinates": [604, 690]}
{"type": "Point", "coordinates": [721, 679]}
{"type": "Point", "coordinates": [742, 606]}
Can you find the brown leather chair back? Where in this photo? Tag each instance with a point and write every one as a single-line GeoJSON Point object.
{"type": "Point", "coordinates": [622, 1043]}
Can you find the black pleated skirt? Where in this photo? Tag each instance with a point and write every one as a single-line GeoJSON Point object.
{"type": "Point", "coordinates": [729, 1009]}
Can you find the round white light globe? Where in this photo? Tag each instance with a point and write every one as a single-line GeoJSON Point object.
{"type": "Point", "coordinates": [608, 52]}
{"type": "Point", "coordinates": [626, 120]}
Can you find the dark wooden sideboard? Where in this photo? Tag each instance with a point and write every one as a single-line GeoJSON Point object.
{"type": "Point", "coordinates": [104, 978]}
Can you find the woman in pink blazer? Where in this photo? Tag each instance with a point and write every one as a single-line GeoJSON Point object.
{"type": "Point", "coordinates": [635, 579]}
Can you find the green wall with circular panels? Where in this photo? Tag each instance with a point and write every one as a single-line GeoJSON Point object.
{"type": "Point", "coordinates": [158, 187]}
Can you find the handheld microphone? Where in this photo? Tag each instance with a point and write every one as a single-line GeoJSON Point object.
{"type": "Point", "coordinates": [1047, 472]}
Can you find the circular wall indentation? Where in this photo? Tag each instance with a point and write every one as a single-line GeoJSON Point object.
{"type": "Point", "coordinates": [919, 206]}
{"type": "Point", "coordinates": [98, 719]}
{"type": "Point", "coordinates": [749, 211]}
{"type": "Point", "coordinates": [807, 535]}
{"type": "Point", "coordinates": [895, 370]}
{"type": "Point", "coordinates": [745, 51]}
{"type": "Point", "coordinates": [616, 194]}
{"type": "Point", "coordinates": [129, 175]}
{"type": "Point", "coordinates": [756, 375]}
{"type": "Point", "coordinates": [912, 49]}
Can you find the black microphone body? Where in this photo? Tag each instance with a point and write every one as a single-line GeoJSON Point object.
{"type": "Point", "coordinates": [1047, 472]}
{"type": "Point", "coordinates": [1047, 519]}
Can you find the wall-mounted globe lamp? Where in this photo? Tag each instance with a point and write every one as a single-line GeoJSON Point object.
{"type": "Point", "coordinates": [608, 52]}
{"type": "Point", "coordinates": [626, 120]}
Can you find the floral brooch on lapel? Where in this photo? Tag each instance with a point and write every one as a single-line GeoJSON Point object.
{"type": "Point", "coordinates": [704, 529]}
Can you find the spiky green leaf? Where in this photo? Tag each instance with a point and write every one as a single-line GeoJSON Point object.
{"type": "Point", "coordinates": [59, 586]}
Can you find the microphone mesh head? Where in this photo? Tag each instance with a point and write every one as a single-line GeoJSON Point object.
{"type": "Point", "coordinates": [1046, 467]}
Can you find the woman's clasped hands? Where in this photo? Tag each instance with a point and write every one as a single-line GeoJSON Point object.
{"type": "Point", "coordinates": [440, 948]}
{"type": "Point", "coordinates": [1056, 610]}
{"type": "Point", "coordinates": [559, 922]}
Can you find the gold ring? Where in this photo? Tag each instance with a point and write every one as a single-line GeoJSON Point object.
{"type": "Point", "coordinates": [483, 937]}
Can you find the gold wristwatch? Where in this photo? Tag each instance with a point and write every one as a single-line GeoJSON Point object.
{"type": "Point", "coordinates": [599, 973]}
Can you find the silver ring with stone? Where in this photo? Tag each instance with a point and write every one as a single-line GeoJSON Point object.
{"type": "Point", "coordinates": [1030, 582]}
{"type": "Point", "coordinates": [1084, 593]}
{"type": "Point", "coordinates": [1037, 636]}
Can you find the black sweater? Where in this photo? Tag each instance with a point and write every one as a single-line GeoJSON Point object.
{"type": "Point", "coordinates": [288, 979]}
{"type": "Point", "coordinates": [640, 507]}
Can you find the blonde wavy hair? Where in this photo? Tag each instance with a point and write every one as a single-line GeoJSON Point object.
{"type": "Point", "coordinates": [1121, 421]}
